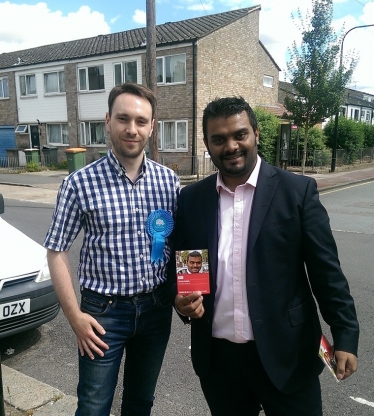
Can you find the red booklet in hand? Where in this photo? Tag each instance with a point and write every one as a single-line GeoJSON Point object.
{"type": "Point", "coordinates": [192, 271]}
{"type": "Point", "coordinates": [326, 353]}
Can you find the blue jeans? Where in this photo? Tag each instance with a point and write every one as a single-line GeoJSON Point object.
{"type": "Point", "coordinates": [141, 325]}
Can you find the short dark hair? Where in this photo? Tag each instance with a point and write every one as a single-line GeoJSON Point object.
{"type": "Point", "coordinates": [194, 254]}
{"type": "Point", "coordinates": [135, 89]}
{"type": "Point", "coordinates": [227, 107]}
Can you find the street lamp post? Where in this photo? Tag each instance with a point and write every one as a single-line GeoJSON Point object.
{"type": "Point", "coordinates": [335, 142]}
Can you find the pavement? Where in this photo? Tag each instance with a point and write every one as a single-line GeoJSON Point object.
{"type": "Point", "coordinates": [24, 395]}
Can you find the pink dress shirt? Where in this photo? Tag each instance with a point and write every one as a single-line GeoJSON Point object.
{"type": "Point", "coordinates": [231, 319]}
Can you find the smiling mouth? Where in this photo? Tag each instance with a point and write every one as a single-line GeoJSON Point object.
{"type": "Point", "coordinates": [232, 157]}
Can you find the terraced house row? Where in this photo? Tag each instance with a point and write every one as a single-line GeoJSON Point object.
{"type": "Point", "coordinates": [56, 95]}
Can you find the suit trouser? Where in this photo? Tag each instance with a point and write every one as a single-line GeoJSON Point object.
{"type": "Point", "coordinates": [238, 385]}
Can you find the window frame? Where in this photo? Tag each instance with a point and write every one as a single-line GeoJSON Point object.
{"type": "Point", "coordinates": [122, 66]}
{"type": "Point", "coordinates": [2, 82]}
{"type": "Point", "coordinates": [266, 84]}
{"type": "Point", "coordinates": [163, 59]}
{"type": "Point", "coordinates": [161, 138]}
{"type": "Point", "coordinates": [85, 133]}
{"type": "Point", "coordinates": [87, 78]}
{"type": "Point", "coordinates": [27, 94]}
{"type": "Point", "coordinates": [58, 81]}
{"type": "Point", "coordinates": [21, 129]}
{"type": "Point", "coordinates": [62, 126]}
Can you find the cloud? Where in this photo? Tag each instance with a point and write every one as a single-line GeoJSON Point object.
{"type": "Point", "coordinates": [140, 16]}
{"type": "Point", "coordinates": [37, 25]}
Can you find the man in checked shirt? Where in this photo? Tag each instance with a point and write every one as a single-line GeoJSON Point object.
{"type": "Point", "coordinates": [125, 302]}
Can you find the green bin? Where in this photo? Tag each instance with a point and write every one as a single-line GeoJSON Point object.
{"type": "Point", "coordinates": [32, 155]}
{"type": "Point", "coordinates": [76, 157]}
{"type": "Point", "coordinates": [102, 153]}
{"type": "Point", "coordinates": [50, 155]}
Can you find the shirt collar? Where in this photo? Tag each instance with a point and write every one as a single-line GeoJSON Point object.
{"type": "Point", "coordinates": [121, 170]}
{"type": "Point", "coordinates": [252, 180]}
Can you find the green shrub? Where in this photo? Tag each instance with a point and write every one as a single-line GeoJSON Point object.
{"type": "Point", "coordinates": [351, 137]}
{"type": "Point", "coordinates": [33, 167]}
{"type": "Point", "coordinates": [63, 165]}
{"type": "Point", "coordinates": [268, 125]}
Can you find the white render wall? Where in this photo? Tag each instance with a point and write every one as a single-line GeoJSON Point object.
{"type": "Point", "coordinates": [47, 108]}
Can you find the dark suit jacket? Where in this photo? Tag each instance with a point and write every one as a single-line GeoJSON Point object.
{"type": "Point", "coordinates": [291, 256]}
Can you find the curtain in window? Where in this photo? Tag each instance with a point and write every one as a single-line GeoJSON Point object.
{"type": "Point", "coordinates": [169, 135]}
{"type": "Point", "coordinates": [31, 84]}
{"type": "Point", "coordinates": [159, 135]}
{"type": "Point", "coordinates": [51, 82]}
{"type": "Point", "coordinates": [22, 85]}
{"type": "Point", "coordinates": [4, 88]}
{"type": "Point", "coordinates": [117, 74]}
{"type": "Point", "coordinates": [54, 133]}
{"type": "Point", "coordinates": [182, 135]}
{"type": "Point", "coordinates": [65, 134]}
{"type": "Point", "coordinates": [175, 66]}
{"type": "Point", "coordinates": [61, 79]}
{"type": "Point", "coordinates": [98, 135]}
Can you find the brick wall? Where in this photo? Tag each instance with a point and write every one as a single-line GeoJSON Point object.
{"type": "Point", "coordinates": [8, 107]}
{"type": "Point", "coordinates": [231, 61]}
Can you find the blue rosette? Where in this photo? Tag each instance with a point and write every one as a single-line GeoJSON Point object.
{"type": "Point", "coordinates": [159, 226]}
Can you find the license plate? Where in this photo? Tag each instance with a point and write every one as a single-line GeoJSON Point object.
{"type": "Point", "coordinates": [16, 308]}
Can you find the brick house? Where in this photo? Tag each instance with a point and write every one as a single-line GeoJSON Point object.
{"type": "Point", "coordinates": [57, 94]}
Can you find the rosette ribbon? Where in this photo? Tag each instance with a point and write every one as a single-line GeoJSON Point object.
{"type": "Point", "coordinates": [159, 226]}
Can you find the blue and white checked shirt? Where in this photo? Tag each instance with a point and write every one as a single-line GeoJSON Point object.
{"type": "Point", "coordinates": [115, 257]}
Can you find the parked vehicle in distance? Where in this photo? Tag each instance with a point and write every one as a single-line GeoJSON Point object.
{"type": "Point", "coordinates": [27, 297]}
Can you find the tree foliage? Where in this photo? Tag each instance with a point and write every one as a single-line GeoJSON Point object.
{"type": "Point", "coordinates": [318, 80]}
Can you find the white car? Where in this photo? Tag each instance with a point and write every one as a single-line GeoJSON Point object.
{"type": "Point", "coordinates": [27, 297]}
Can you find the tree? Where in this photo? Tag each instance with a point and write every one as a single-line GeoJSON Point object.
{"type": "Point", "coordinates": [318, 80]}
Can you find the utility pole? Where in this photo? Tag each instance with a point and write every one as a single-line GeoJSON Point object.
{"type": "Point", "coordinates": [150, 69]}
{"type": "Point", "coordinates": [335, 141]}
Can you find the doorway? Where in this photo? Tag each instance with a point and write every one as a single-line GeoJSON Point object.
{"type": "Point", "coordinates": [34, 134]}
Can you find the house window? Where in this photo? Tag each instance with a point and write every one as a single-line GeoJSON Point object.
{"type": "Point", "coordinates": [171, 69]}
{"type": "Point", "coordinates": [268, 81]}
{"type": "Point", "coordinates": [58, 133]}
{"type": "Point", "coordinates": [125, 72]}
{"type": "Point", "coordinates": [27, 85]}
{"type": "Point", "coordinates": [91, 78]}
{"type": "Point", "coordinates": [172, 135]}
{"type": "Point", "coordinates": [92, 133]}
{"type": "Point", "coordinates": [21, 128]}
{"type": "Point", "coordinates": [54, 82]}
{"type": "Point", "coordinates": [357, 114]}
{"type": "Point", "coordinates": [4, 88]}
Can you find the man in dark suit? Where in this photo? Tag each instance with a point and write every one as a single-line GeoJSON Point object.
{"type": "Point", "coordinates": [255, 338]}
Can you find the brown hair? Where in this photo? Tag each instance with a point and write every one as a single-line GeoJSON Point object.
{"type": "Point", "coordinates": [135, 89]}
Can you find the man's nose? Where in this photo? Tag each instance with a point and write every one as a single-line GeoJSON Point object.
{"type": "Point", "coordinates": [231, 145]}
{"type": "Point", "coordinates": [131, 128]}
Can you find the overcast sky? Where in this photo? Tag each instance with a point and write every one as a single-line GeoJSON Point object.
{"type": "Point", "coordinates": [27, 23]}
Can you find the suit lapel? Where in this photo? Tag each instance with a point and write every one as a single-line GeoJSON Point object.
{"type": "Point", "coordinates": [266, 185]}
{"type": "Point", "coordinates": [210, 202]}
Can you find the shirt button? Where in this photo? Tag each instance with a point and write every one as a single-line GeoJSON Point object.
{"type": "Point", "coordinates": [143, 278]}
{"type": "Point", "coordinates": [139, 232]}
{"type": "Point", "coordinates": [236, 225]}
{"type": "Point", "coordinates": [141, 256]}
